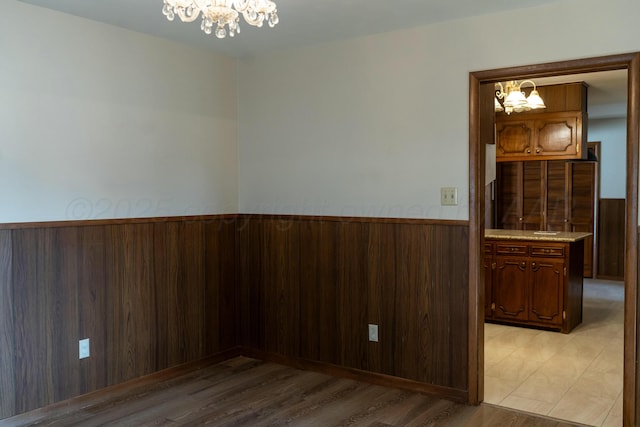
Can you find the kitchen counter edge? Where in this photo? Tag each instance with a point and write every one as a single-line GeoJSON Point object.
{"type": "Point", "coordinates": [542, 236]}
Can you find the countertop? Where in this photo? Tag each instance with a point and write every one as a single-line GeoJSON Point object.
{"type": "Point", "coordinates": [543, 236]}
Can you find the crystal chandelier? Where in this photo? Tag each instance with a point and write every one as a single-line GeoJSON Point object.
{"type": "Point", "coordinates": [224, 14]}
{"type": "Point", "coordinates": [514, 98]}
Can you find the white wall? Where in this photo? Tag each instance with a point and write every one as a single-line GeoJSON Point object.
{"type": "Point", "coordinates": [375, 126]}
{"type": "Point", "coordinates": [93, 126]}
{"type": "Point", "coordinates": [101, 122]}
{"type": "Point", "coordinates": [612, 134]}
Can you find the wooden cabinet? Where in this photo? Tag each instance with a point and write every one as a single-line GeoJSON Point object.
{"type": "Point", "coordinates": [534, 283]}
{"type": "Point", "coordinates": [549, 196]}
{"type": "Point", "coordinates": [547, 136]}
{"type": "Point", "coordinates": [510, 290]}
{"type": "Point", "coordinates": [547, 284]}
{"type": "Point", "coordinates": [557, 132]}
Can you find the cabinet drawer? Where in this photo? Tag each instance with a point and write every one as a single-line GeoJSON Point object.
{"type": "Point", "coordinates": [488, 249]}
{"type": "Point", "coordinates": [511, 249]}
{"type": "Point", "coordinates": [547, 251]}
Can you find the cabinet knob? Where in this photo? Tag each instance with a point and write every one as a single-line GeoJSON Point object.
{"type": "Point", "coordinates": [529, 151]}
{"type": "Point", "coordinates": [537, 150]}
{"type": "Point", "coordinates": [520, 219]}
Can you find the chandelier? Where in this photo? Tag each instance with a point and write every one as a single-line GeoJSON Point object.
{"type": "Point", "coordinates": [224, 14]}
{"type": "Point", "coordinates": [514, 98]}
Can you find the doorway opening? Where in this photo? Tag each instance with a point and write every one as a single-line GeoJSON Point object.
{"type": "Point", "coordinates": [481, 131]}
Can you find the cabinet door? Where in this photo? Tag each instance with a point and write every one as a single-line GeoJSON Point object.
{"type": "Point", "coordinates": [510, 289]}
{"type": "Point", "coordinates": [546, 297]}
{"type": "Point", "coordinates": [514, 138]}
{"type": "Point", "coordinates": [559, 136]}
{"type": "Point", "coordinates": [532, 197]}
{"type": "Point", "coordinates": [520, 186]}
{"type": "Point", "coordinates": [509, 195]}
{"type": "Point", "coordinates": [557, 196]}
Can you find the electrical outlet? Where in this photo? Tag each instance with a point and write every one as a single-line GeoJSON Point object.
{"type": "Point", "coordinates": [373, 333]}
{"type": "Point", "coordinates": [449, 196]}
{"type": "Point", "coordinates": [84, 349]}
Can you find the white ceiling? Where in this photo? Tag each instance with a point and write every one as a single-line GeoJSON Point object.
{"type": "Point", "coordinates": [307, 22]}
{"type": "Point", "coordinates": [302, 22]}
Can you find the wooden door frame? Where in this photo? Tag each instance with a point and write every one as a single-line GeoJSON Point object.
{"type": "Point", "coordinates": [478, 81]}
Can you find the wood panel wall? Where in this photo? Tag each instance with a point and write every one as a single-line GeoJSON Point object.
{"type": "Point", "coordinates": [611, 239]}
{"type": "Point", "coordinates": [310, 287]}
{"type": "Point", "coordinates": [149, 295]}
{"type": "Point", "coordinates": [152, 294]}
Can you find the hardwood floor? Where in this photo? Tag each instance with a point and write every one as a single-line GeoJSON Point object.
{"type": "Point", "coordinates": [249, 392]}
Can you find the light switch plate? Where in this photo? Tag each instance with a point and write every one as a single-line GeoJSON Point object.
{"type": "Point", "coordinates": [449, 196]}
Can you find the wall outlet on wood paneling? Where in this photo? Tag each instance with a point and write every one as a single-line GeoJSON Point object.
{"type": "Point", "coordinates": [84, 348]}
{"type": "Point", "coordinates": [373, 333]}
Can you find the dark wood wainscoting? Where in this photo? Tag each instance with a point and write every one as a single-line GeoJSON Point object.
{"type": "Point", "coordinates": [611, 236]}
{"type": "Point", "coordinates": [309, 287]}
{"type": "Point", "coordinates": [156, 293]}
{"type": "Point", "coordinates": [149, 295]}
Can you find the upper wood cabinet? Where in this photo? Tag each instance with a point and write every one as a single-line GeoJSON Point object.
{"type": "Point", "coordinates": [560, 132]}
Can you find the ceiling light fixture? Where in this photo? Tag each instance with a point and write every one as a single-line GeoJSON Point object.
{"type": "Point", "coordinates": [514, 98]}
{"type": "Point", "coordinates": [222, 13]}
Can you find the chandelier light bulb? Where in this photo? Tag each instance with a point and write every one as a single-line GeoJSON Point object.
{"type": "Point", "coordinates": [515, 99]}
{"type": "Point", "coordinates": [223, 13]}
{"type": "Point", "coordinates": [534, 100]}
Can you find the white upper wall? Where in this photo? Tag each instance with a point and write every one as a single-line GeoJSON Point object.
{"type": "Point", "coordinates": [101, 122]}
{"type": "Point", "coordinates": [375, 126]}
{"type": "Point", "coordinates": [612, 134]}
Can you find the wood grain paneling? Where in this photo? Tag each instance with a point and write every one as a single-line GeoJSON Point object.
{"type": "Point", "coordinates": [155, 294]}
{"type": "Point", "coordinates": [7, 346]}
{"type": "Point", "coordinates": [280, 274]}
{"type": "Point", "coordinates": [611, 236]}
{"type": "Point", "coordinates": [221, 291]}
{"type": "Point", "coordinates": [144, 293]}
{"type": "Point", "coordinates": [131, 309]}
{"type": "Point", "coordinates": [352, 295]}
{"type": "Point", "coordinates": [408, 278]}
{"type": "Point", "coordinates": [92, 294]}
{"type": "Point", "coordinates": [180, 304]}
{"type": "Point", "coordinates": [318, 290]}
{"type": "Point", "coordinates": [250, 289]}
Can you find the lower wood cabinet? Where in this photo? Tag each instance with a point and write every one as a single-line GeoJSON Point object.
{"type": "Point", "coordinates": [534, 283]}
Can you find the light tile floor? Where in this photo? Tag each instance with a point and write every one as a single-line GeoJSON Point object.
{"type": "Point", "coordinates": [576, 376]}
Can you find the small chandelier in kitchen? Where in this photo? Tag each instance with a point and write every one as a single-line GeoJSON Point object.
{"type": "Point", "coordinates": [514, 98]}
{"type": "Point", "coordinates": [224, 14]}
